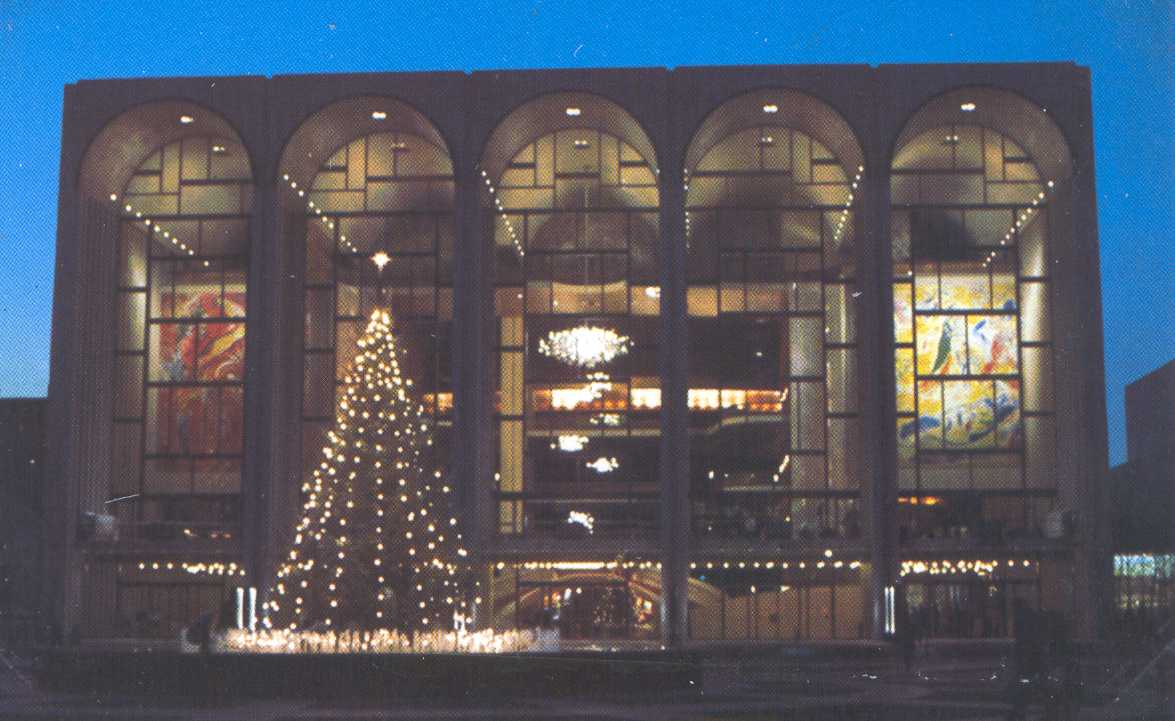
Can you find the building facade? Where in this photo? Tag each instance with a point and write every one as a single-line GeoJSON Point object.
{"type": "Point", "coordinates": [709, 353]}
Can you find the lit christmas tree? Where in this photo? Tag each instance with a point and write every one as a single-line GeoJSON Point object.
{"type": "Point", "coordinates": [376, 548]}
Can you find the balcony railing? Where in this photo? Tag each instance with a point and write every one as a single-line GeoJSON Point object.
{"type": "Point", "coordinates": [165, 532]}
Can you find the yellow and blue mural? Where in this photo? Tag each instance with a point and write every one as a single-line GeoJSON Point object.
{"type": "Point", "coordinates": [959, 371]}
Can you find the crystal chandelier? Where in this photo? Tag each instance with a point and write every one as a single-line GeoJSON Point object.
{"type": "Point", "coordinates": [584, 346]}
{"type": "Point", "coordinates": [603, 465]}
{"type": "Point", "coordinates": [571, 443]}
{"type": "Point", "coordinates": [582, 518]}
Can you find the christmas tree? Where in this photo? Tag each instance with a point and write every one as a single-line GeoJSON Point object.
{"type": "Point", "coordinates": [376, 547]}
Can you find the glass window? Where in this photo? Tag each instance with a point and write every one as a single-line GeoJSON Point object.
{"type": "Point", "coordinates": [772, 338]}
{"type": "Point", "coordinates": [379, 234]}
{"type": "Point", "coordinates": [574, 224]}
{"type": "Point", "coordinates": [971, 322]}
{"type": "Point", "coordinates": [180, 352]}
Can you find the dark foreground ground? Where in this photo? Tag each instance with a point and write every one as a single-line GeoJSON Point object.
{"type": "Point", "coordinates": [847, 683]}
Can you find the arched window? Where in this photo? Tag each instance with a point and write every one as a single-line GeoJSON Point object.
{"type": "Point", "coordinates": [771, 184]}
{"type": "Point", "coordinates": [378, 218]}
{"type": "Point", "coordinates": [179, 365]}
{"type": "Point", "coordinates": [572, 206]}
{"type": "Point", "coordinates": [970, 231]}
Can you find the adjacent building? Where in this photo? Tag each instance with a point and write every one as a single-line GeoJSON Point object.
{"type": "Point", "coordinates": [1144, 499]}
{"type": "Point", "coordinates": [22, 462]}
{"type": "Point", "coordinates": [723, 353]}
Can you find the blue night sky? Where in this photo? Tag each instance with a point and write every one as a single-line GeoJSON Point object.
{"type": "Point", "coordinates": [1128, 44]}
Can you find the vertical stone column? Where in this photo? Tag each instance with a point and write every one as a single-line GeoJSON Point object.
{"type": "Point", "coordinates": [81, 361]}
{"type": "Point", "coordinates": [675, 479]}
{"type": "Point", "coordinates": [875, 339]}
{"type": "Point", "coordinates": [1082, 570]}
{"type": "Point", "coordinates": [1082, 465]}
{"type": "Point", "coordinates": [266, 367]}
{"type": "Point", "coordinates": [472, 414]}
{"type": "Point", "coordinates": [61, 424]}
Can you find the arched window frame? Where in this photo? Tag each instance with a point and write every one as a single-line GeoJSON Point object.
{"type": "Point", "coordinates": [379, 232]}
{"type": "Point", "coordinates": [178, 386]}
{"type": "Point", "coordinates": [802, 163]}
{"type": "Point", "coordinates": [534, 164]}
{"type": "Point", "coordinates": [990, 178]}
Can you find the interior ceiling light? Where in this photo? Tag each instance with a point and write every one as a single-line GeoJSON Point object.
{"type": "Point", "coordinates": [606, 419]}
{"type": "Point", "coordinates": [584, 346]}
{"type": "Point", "coordinates": [581, 144]}
{"type": "Point", "coordinates": [603, 465]}
{"type": "Point", "coordinates": [380, 259]}
{"type": "Point", "coordinates": [967, 107]}
{"type": "Point", "coordinates": [573, 111]}
{"type": "Point", "coordinates": [572, 443]}
{"type": "Point", "coordinates": [378, 115]}
{"type": "Point", "coordinates": [771, 108]}
{"type": "Point", "coordinates": [582, 518]}
{"type": "Point", "coordinates": [187, 120]}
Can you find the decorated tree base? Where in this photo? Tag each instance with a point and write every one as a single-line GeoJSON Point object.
{"type": "Point", "coordinates": [376, 641]}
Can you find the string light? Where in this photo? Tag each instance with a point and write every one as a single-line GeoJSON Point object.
{"type": "Point", "coordinates": [167, 235]}
{"type": "Point", "coordinates": [1021, 221]}
{"type": "Point", "coordinates": [315, 213]}
{"type": "Point", "coordinates": [195, 568]}
{"type": "Point", "coordinates": [383, 640]}
{"type": "Point", "coordinates": [771, 564]}
{"type": "Point", "coordinates": [977, 567]}
{"type": "Point", "coordinates": [502, 213]}
{"type": "Point", "coordinates": [842, 221]}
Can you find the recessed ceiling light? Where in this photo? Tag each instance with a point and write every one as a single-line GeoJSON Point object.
{"type": "Point", "coordinates": [219, 150]}
{"type": "Point", "coordinates": [573, 111]}
{"type": "Point", "coordinates": [967, 107]}
{"type": "Point", "coordinates": [378, 115]}
{"type": "Point", "coordinates": [771, 108]}
{"type": "Point", "coordinates": [581, 144]}
{"type": "Point", "coordinates": [187, 119]}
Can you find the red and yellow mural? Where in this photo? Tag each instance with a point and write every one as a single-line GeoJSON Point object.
{"type": "Point", "coordinates": [206, 418]}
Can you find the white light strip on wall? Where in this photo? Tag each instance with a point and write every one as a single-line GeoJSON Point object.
{"type": "Point", "coordinates": [252, 608]}
{"type": "Point", "coordinates": [890, 611]}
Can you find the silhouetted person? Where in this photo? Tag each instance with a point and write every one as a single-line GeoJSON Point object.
{"type": "Point", "coordinates": [1017, 689]}
{"type": "Point", "coordinates": [1063, 684]}
{"type": "Point", "coordinates": [1024, 662]}
{"type": "Point", "coordinates": [1164, 670]}
{"type": "Point", "coordinates": [200, 632]}
{"type": "Point", "coordinates": [908, 640]}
